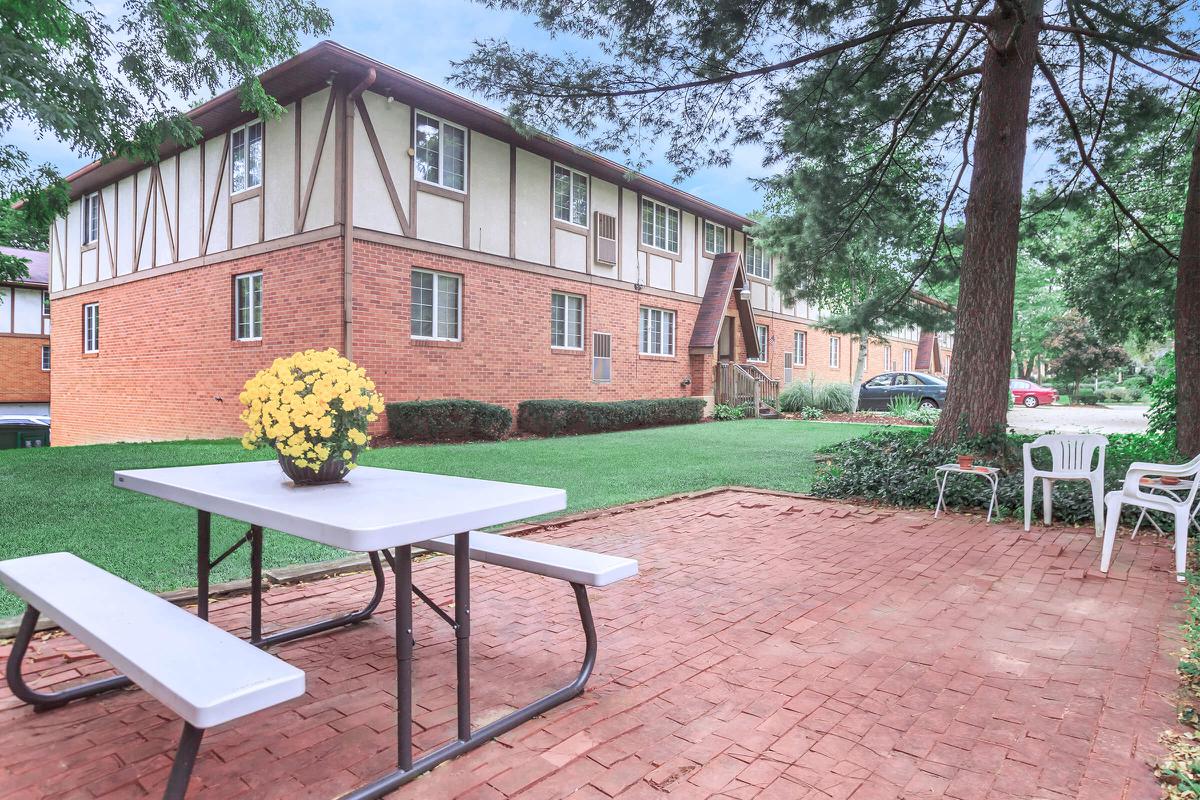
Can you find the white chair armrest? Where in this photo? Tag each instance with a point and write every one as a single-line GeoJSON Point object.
{"type": "Point", "coordinates": [1027, 453]}
{"type": "Point", "coordinates": [1173, 470]}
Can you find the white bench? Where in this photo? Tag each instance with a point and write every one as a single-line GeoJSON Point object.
{"type": "Point", "coordinates": [539, 558]}
{"type": "Point", "coordinates": [203, 674]}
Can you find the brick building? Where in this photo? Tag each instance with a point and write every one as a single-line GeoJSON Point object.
{"type": "Point", "coordinates": [419, 233]}
{"type": "Point", "coordinates": [25, 337]}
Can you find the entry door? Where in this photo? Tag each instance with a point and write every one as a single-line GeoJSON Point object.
{"type": "Point", "coordinates": [725, 340]}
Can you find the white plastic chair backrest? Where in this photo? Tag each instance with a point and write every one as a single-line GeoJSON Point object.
{"type": "Point", "coordinates": [1193, 466]}
{"type": "Point", "coordinates": [1072, 452]}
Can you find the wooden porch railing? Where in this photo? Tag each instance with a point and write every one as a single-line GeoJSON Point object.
{"type": "Point", "coordinates": [744, 384]}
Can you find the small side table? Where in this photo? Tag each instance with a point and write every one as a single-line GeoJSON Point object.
{"type": "Point", "coordinates": [1172, 490]}
{"type": "Point", "coordinates": [945, 470]}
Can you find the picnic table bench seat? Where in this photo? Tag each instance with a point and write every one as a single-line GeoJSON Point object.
{"type": "Point", "coordinates": [203, 674]}
{"type": "Point", "coordinates": [551, 560]}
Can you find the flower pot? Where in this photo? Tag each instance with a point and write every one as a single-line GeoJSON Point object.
{"type": "Point", "coordinates": [332, 471]}
{"type": "Point", "coordinates": [1168, 480]}
{"type": "Point", "coordinates": [966, 462]}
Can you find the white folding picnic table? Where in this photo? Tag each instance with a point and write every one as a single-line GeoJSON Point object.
{"type": "Point", "coordinates": [374, 510]}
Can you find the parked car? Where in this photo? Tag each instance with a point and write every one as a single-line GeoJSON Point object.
{"type": "Point", "coordinates": [877, 393]}
{"type": "Point", "coordinates": [1030, 395]}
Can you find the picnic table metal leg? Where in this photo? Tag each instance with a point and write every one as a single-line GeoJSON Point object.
{"type": "Point", "coordinates": [203, 554]}
{"type": "Point", "coordinates": [185, 760]}
{"type": "Point", "coordinates": [256, 543]}
{"type": "Point", "coordinates": [462, 630]}
{"type": "Point", "coordinates": [402, 569]}
{"type": "Point", "coordinates": [44, 701]}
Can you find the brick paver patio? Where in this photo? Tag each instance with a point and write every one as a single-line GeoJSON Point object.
{"type": "Point", "coordinates": [771, 647]}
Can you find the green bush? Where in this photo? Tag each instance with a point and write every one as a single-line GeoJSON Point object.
{"type": "Point", "coordinates": [811, 412]}
{"type": "Point", "coordinates": [439, 420]}
{"type": "Point", "coordinates": [833, 397]}
{"type": "Point", "coordinates": [1086, 397]}
{"type": "Point", "coordinates": [555, 417]}
{"type": "Point", "coordinates": [797, 396]}
{"type": "Point", "coordinates": [723, 413]}
{"type": "Point", "coordinates": [903, 405]}
{"type": "Point", "coordinates": [1113, 394]}
{"type": "Point", "coordinates": [926, 415]}
{"type": "Point", "coordinates": [1162, 398]}
{"type": "Point", "coordinates": [896, 467]}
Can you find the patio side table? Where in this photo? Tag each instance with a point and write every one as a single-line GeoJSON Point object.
{"type": "Point", "coordinates": [1172, 490]}
{"type": "Point", "coordinates": [990, 474]}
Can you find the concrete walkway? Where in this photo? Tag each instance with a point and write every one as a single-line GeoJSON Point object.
{"type": "Point", "coordinates": [772, 647]}
{"type": "Point", "coordinates": [1119, 418]}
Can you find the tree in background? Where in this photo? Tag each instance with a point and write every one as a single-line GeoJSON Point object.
{"type": "Point", "coordinates": [108, 85]}
{"type": "Point", "coordinates": [854, 283]}
{"type": "Point", "coordinates": [1077, 351]}
{"type": "Point", "coordinates": [953, 81]}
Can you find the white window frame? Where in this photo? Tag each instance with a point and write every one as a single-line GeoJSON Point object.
{"type": "Point", "coordinates": [763, 334]}
{"type": "Point", "coordinates": [245, 131]}
{"type": "Point", "coordinates": [887, 358]}
{"type": "Point", "coordinates": [763, 267]}
{"type": "Point", "coordinates": [666, 332]}
{"type": "Point", "coordinates": [835, 352]}
{"type": "Point", "coordinates": [571, 174]}
{"type": "Point", "coordinates": [438, 277]}
{"type": "Point", "coordinates": [908, 359]}
{"type": "Point", "coordinates": [667, 211]}
{"type": "Point", "coordinates": [91, 328]}
{"type": "Point", "coordinates": [711, 226]}
{"type": "Point", "coordinates": [800, 353]}
{"type": "Point", "coordinates": [90, 227]}
{"type": "Point", "coordinates": [45, 302]}
{"type": "Point", "coordinates": [255, 319]}
{"type": "Point", "coordinates": [597, 358]}
{"type": "Point", "coordinates": [45, 358]}
{"type": "Point", "coordinates": [580, 320]}
{"type": "Point", "coordinates": [441, 165]}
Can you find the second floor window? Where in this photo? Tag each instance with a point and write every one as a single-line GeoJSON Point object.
{"type": "Point", "coordinates": [762, 333]}
{"type": "Point", "coordinates": [801, 347]}
{"type": "Point", "coordinates": [441, 152]}
{"type": "Point", "coordinates": [570, 196]}
{"type": "Point", "coordinates": [91, 328]}
{"type": "Point", "coordinates": [245, 157]}
{"type": "Point", "coordinates": [45, 358]}
{"type": "Point", "coordinates": [714, 238]}
{"type": "Point", "coordinates": [566, 321]}
{"type": "Point", "coordinates": [660, 226]}
{"type": "Point", "coordinates": [91, 217]}
{"type": "Point", "coordinates": [757, 263]}
{"type": "Point", "coordinates": [247, 302]}
{"type": "Point", "coordinates": [657, 332]}
{"type": "Point", "coordinates": [835, 351]}
{"type": "Point", "coordinates": [45, 304]}
{"type": "Point", "coordinates": [436, 305]}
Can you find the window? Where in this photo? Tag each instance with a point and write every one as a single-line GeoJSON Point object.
{"type": "Point", "coordinates": [602, 357]}
{"type": "Point", "coordinates": [714, 238]}
{"type": "Point", "coordinates": [835, 351]}
{"type": "Point", "coordinates": [757, 263]}
{"type": "Point", "coordinates": [880, 381]}
{"type": "Point", "coordinates": [441, 152]}
{"type": "Point", "coordinates": [801, 348]}
{"type": "Point", "coordinates": [436, 305]}
{"type": "Point", "coordinates": [658, 332]}
{"type": "Point", "coordinates": [45, 303]}
{"type": "Point", "coordinates": [91, 328]}
{"type": "Point", "coordinates": [660, 226]}
{"type": "Point", "coordinates": [91, 218]}
{"type": "Point", "coordinates": [247, 307]}
{"type": "Point", "coordinates": [570, 196]}
{"type": "Point", "coordinates": [566, 321]}
{"type": "Point", "coordinates": [45, 358]}
{"type": "Point", "coordinates": [907, 359]}
{"type": "Point", "coordinates": [761, 332]}
{"type": "Point", "coordinates": [246, 157]}
{"type": "Point", "coordinates": [887, 357]}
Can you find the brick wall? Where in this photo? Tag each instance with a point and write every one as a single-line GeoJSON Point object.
{"type": "Point", "coordinates": [22, 379]}
{"type": "Point", "coordinates": [167, 351]}
{"type": "Point", "coordinates": [168, 367]}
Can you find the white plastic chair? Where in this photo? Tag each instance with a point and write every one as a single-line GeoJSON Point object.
{"type": "Point", "coordinates": [1130, 494]}
{"type": "Point", "coordinates": [1070, 460]}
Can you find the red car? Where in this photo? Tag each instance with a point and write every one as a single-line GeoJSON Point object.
{"type": "Point", "coordinates": [1030, 395]}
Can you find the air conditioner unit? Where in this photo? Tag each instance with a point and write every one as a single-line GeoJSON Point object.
{"type": "Point", "coordinates": [606, 238]}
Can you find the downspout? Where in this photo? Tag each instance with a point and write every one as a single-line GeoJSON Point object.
{"type": "Point", "coordinates": [347, 189]}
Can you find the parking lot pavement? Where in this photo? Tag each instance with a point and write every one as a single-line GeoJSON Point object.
{"type": "Point", "coordinates": [1123, 418]}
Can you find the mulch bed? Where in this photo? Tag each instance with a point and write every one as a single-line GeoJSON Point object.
{"type": "Point", "coordinates": [871, 418]}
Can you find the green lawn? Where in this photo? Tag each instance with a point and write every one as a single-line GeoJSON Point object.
{"type": "Point", "coordinates": [63, 499]}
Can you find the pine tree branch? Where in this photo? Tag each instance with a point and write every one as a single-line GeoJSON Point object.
{"type": "Point", "coordinates": [1183, 53]}
{"type": "Point", "coordinates": [1081, 146]}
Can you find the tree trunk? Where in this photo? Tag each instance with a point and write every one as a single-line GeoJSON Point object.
{"type": "Point", "coordinates": [978, 394]}
{"type": "Point", "coordinates": [860, 367]}
{"type": "Point", "coordinates": [1187, 317]}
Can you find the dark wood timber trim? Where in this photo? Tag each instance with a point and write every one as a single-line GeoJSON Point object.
{"type": "Point", "coordinates": [212, 213]}
{"type": "Point", "coordinates": [381, 162]}
{"type": "Point", "coordinates": [302, 214]}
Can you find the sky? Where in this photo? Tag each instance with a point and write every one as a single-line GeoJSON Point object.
{"type": "Point", "coordinates": [423, 36]}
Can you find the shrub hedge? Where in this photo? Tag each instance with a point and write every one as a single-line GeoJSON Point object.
{"type": "Point", "coordinates": [803, 394]}
{"type": "Point", "coordinates": [555, 417]}
{"type": "Point", "coordinates": [895, 467]}
{"type": "Point", "coordinates": [442, 420]}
